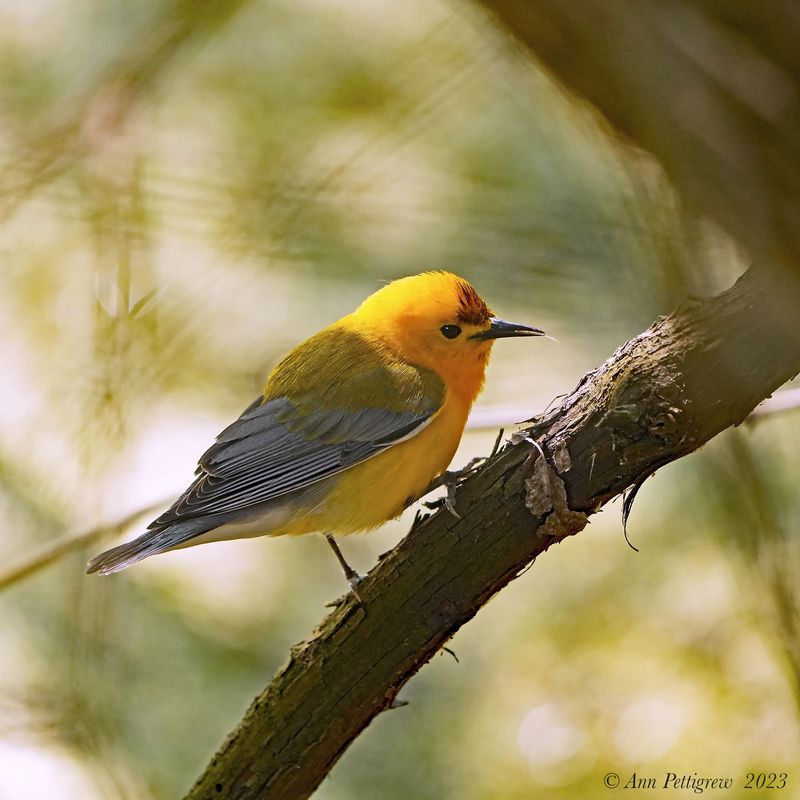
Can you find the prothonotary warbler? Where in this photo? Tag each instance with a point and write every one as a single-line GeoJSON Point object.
{"type": "Point", "coordinates": [352, 426]}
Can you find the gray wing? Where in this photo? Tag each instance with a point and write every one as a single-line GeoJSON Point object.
{"type": "Point", "coordinates": [280, 445]}
{"type": "Point", "coordinates": [273, 449]}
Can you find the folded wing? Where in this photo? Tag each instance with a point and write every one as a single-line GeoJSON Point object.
{"type": "Point", "coordinates": [274, 449]}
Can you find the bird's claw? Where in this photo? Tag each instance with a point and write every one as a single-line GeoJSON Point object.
{"type": "Point", "coordinates": [470, 467]}
{"type": "Point", "coordinates": [450, 499]}
{"type": "Point", "coordinates": [354, 579]}
{"type": "Point", "coordinates": [451, 480]}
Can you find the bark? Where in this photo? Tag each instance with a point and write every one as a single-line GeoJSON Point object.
{"type": "Point", "coordinates": [659, 397]}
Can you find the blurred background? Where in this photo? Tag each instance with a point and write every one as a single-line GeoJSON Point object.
{"type": "Point", "coordinates": [187, 190]}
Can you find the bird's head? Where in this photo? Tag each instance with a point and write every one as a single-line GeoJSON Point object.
{"type": "Point", "coordinates": [438, 320]}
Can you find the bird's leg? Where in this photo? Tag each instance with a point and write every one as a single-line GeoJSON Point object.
{"type": "Point", "coordinates": [353, 578]}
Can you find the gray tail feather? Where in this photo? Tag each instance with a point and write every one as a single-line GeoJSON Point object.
{"type": "Point", "coordinates": [150, 543]}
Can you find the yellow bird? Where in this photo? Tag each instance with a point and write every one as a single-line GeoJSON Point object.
{"type": "Point", "coordinates": [352, 426]}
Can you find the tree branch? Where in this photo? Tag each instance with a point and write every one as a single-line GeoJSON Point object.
{"type": "Point", "coordinates": [658, 398]}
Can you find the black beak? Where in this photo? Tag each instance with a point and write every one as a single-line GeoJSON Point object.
{"type": "Point", "coordinates": [500, 329]}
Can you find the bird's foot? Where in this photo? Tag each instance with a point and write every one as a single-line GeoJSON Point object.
{"type": "Point", "coordinates": [449, 500]}
{"type": "Point", "coordinates": [354, 579]}
{"type": "Point", "coordinates": [451, 479]}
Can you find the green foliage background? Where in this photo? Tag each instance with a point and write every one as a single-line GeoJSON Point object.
{"type": "Point", "coordinates": [188, 189]}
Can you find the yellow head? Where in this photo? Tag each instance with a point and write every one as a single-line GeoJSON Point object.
{"type": "Point", "coordinates": [437, 320]}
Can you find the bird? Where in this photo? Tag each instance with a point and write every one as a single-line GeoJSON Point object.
{"type": "Point", "coordinates": [352, 426]}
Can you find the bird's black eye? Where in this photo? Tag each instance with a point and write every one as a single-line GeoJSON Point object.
{"type": "Point", "coordinates": [450, 331]}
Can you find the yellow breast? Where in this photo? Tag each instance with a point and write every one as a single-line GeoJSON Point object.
{"type": "Point", "coordinates": [377, 490]}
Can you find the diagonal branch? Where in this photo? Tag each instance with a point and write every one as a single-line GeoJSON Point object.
{"type": "Point", "coordinates": [659, 397]}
